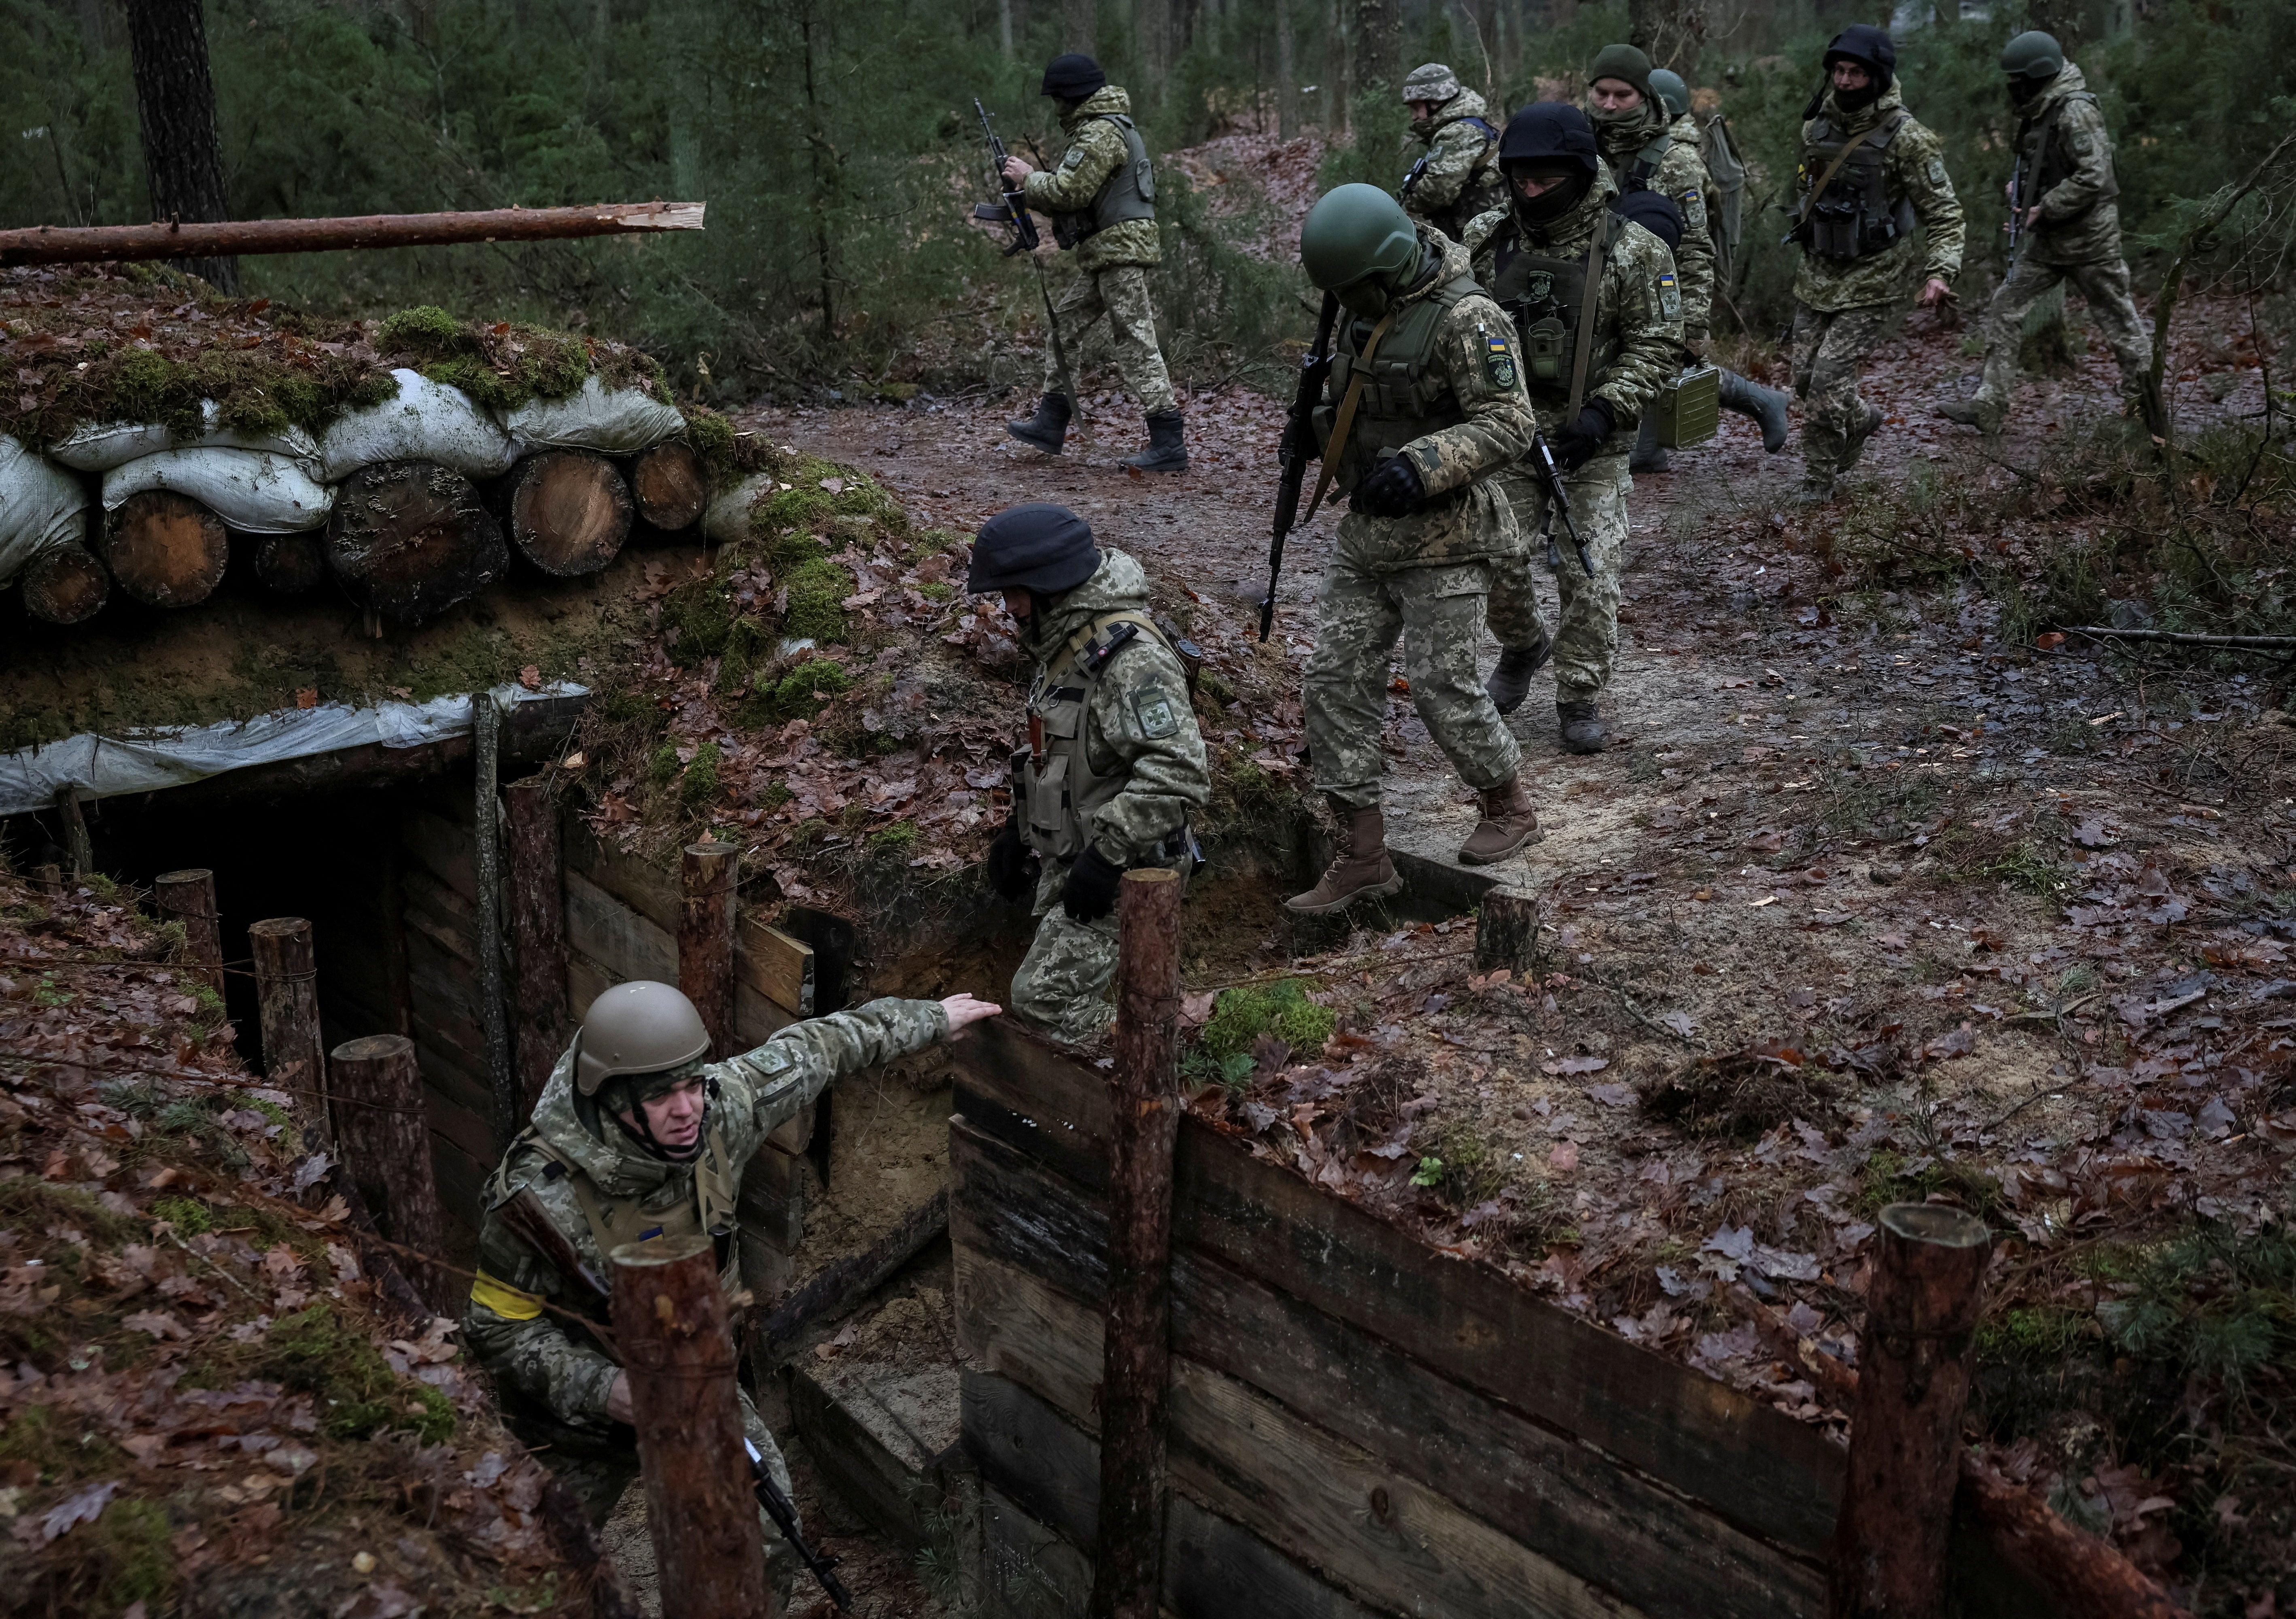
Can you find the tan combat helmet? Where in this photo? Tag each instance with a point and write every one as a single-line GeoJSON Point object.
{"type": "Point", "coordinates": [1431, 82]}
{"type": "Point", "coordinates": [639, 1027]}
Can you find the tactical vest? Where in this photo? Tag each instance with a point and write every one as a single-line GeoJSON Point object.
{"type": "Point", "coordinates": [1637, 175]}
{"type": "Point", "coordinates": [1474, 194]}
{"type": "Point", "coordinates": [1542, 294]}
{"type": "Point", "coordinates": [2039, 149]}
{"type": "Point", "coordinates": [1406, 395]}
{"type": "Point", "coordinates": [1128, 194]}
{"type": "Point", "coordinates": [1058, 783]}
{"type": "Point", "coordinates": [1855, 218]}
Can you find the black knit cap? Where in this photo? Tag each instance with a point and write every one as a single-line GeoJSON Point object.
{"type": "Point", "coordinates": [1549, 133]}
{"type": "Point", "coordinates": [1870, 48]}
{"type": "Point", "coordinates": [1655, 212]}
{"type": "Point", "coordinates": [1073, 77]}
{"type": "Point", "coordinates": [1038, 546]}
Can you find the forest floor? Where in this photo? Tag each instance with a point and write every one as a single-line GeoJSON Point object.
{"type": "Point", "coordinates": [1878, 894]}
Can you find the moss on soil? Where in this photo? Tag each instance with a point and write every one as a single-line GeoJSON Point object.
{"type": "Point", "coordinates": [1282, 1009]}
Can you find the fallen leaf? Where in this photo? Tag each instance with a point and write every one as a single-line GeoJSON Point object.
{"type": "Point", "coordinates": [1576, 1065]}
{"type": "Point", "coordinates": [530, 677]}
{"type": "Point", "coordinates": [1564, 1158]}
{"type": "Point", "coordinates": [307, 698]}
{"type": "Point", "coordinates": [159, 1323]}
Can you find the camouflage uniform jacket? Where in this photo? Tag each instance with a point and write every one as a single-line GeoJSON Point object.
{"type": "Point", "coordinates": [1460, 175]}
{"type": "Point", "coordinates": [2080, 216]}
{"type": "Point", "coordinates": [547, 1371]}
{"type": "Point", "coordinates": [1095, 151]}
{"type": "Point", "coordinates": [1637, 310]}
{"type": "Point", "coordinates": [1138, 728]}
{"type": "Point", "coordinates": [1472, 370]}
{"type": "Point", "coordinates": [1913, 169]}
{"type": "Point", "coordinates": [1681, 179]}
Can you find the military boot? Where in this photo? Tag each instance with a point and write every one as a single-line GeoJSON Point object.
{"type": "Point", "coordinates": [1048, 429]}
{"type": "Point", "coordinates": [1980, 412]}
{"type": "Point", "coordinates": [1509, 682]}
{"type": "Point", "coordinates": [1854, 446]}
{"type": "Point", "coordinates": [1583, 731]}
{"type": "Point", "coordinates": [1508, 823]}
{"type": "Point", "coordinates": [1362, 870]}
{"type": "Point", "coordinates": [1766, 405]}
{"type": "Point", "coordinates": [1647, 456]}
{"type": "Point", "coordinates": [1166, 453]}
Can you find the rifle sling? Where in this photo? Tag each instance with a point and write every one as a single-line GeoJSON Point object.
{"type": "Point", "coordinates": [1345, 421]}
{"type": "Point", "coordinates": [1826, 179]}
{"type": "Point", "coordinates": [1583, 349]}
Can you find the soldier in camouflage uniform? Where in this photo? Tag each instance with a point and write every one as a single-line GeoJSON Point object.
{"type": "Point", "coordinates": [1454, 174]}
{"type": "Point", "coordinates": [1881, 172]}
{"type": "Point", "coordinates": [2071, 231]}
{"type": "Point", "coordinates": [1114, 761]}
{"type": "Point", "coordinates": [1635, 132]}
{"type": "Point", "coordinates": [1534, 259]}
{"type": "Point", "coordinates": [1425, 404]}
{"type": "Point", "coordinates": [639, 1138]}
{"type": "Point", "coordinates": [1101, 198]}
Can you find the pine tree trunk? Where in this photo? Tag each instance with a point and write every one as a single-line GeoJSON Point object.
{"type": "Point", "coordinates": [166, 549]}
{"type": "Point", "coordinates": [175, 102]}
{"type": "Point", "coordinates": [669, 487]}
{"type": "Point", "coordinates": [290, 564]}
{"type": "Point", "coordinates": [412, 538]}
{"type": "Point", "coordinates": [568, 511]}
{"type": "Point", "coordinates": [1152, 25]}
{"type": "Point", "coordinates": [67, 586]}
{"type": "Point", "coordinates": [1378, 45]}
{"type": "Point", "coordinates": [1287, 73]}
{"type": "Point", "coordinates": [1080, 27]}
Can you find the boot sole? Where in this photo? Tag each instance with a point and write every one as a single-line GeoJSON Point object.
{"type": "Point", "coordinates": [1138, 466]}
{"type": "Point", "coordinates": [1377, 891]}
{"type": "Point", "coordinates": [1537, 835]}
{"type": "Point", "coordinates": [1050, 450]}
{"type": "Point", "coordinates": [1603, 746]}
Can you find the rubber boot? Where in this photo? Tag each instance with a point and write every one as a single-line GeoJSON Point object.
{"type": "Point", "coordinates": [1979, 412]}
{"type": "Point", "coordinates": [1647, 456]}
{"type": "Point", "coordinates": [1048, 429]}
{"type": "Point", "coordinates": [1766, 405]}
{"type": "Point", "coordinates": [1166, 452]}
{"type": "Point", "coordinates": [1509, 682]}
{"type": "Point", "coordinates": [1362, 870]}
{"type": "Point", "coordinates": [1583, 731]}
{"type": "Point", "coordinates": [1866, 428]}
{"type": "Point", "coordinates": [1508, 824]}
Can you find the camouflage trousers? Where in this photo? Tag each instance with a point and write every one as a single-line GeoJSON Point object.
{"type": "Point", "coordinates": [1120, 292]}
{"type": "Point", "coordinates": [1587, 628]}
{"type": "Point", "coordinates": [1065, 984]}
{"type": "Point", "coordinates": [1437, 610]}
{"type": "Point", "coordinates": [2104, 285]}
{"type": "Point", "coordinates": [1827, 345]}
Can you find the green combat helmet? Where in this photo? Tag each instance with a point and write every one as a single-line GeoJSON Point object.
{"type": "Point", "coordinates": [1431, 82]}
{"type": "Point", "coordinates": [1667, 85]}
{"type": "Point", "coordinates": [1358, 243]}
{"type": "Point", "coordinates": [2033, 55]}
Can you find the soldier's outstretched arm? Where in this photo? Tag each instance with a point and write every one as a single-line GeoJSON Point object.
{"type": "Point", "coordinates": [1477, 351]}
{"type": "Point", "coordinates": [522, 1344]}
{"type": "Point", "coordinates": [789, 1072]}
{"type": "Point", "coordinates": [1069, 185]}
{"type": "Point", "coordinates": [2081, 127]}
{"type": "Point", "coordinates": [1140, 711]}
{"type": "Point", "coordinates": [1918, 157]}
{"type": "Point", "coordinates": [1640, 283]}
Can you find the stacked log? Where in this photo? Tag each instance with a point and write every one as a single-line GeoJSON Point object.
{"type": "Point", "coordinates": [166, 549]}
{"type": "Point", "coordinates": [411, 538]}
{"type": "Point", "coordinates": [568, 510]}
{"type": "Point", "coordinates": [290, 564]}
{"type": "Point", "coordinates": [66, 585]}
{"type": "Point", "coordinates": [670, 486]}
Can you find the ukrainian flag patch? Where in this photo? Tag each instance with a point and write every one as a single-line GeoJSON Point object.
{"type": "Point", "coordinates": [1499, 361]}
{"type": "Point", "coordinates": [1669, 295]}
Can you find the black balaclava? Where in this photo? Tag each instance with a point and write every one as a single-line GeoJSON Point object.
{"type": "Point", "coordinates": [629, 1092]}
{"type": "Point", "coordinates": [2022, 89]}
{"type": "Point", "coordinates": [1551, 205]}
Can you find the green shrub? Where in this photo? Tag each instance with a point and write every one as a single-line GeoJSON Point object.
{"type": "Point", "coordinates": [1282, 1009]}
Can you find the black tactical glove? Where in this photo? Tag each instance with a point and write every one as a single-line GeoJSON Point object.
{"type": "Point", "coordinates": [1393, 491]}
{"type": "Point", "coordinates": [1580, 438]}
{"type": "Point", "coordinates": [1012, 863]}
{"type": "Point", "coordinates": [1091, 893]}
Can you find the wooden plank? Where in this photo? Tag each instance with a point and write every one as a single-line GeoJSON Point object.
{"type": "Point", "coordinates": [619, 939]}
{"type": "Point", "coordinates": [774, 964]}
{"type": "Point", "coordinates": [1027, 1571]}
{"type": "Point", "coordinates": [756, 1019]}
{"type": "Point", "coordinates": [647, 890]}
{"type": "Point", "coordinates": [1753, 1465]}
{"type": "Point", "coordinates": [585, 980]}
{"type": "Point", "coordinates": [443, 848]}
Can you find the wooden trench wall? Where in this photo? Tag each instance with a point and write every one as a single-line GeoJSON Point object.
{"type": "Point", "coordinates": [1358, 1426]}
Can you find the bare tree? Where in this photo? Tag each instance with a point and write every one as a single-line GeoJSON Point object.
{"type": "Point", "coordinates": [1378, 45]}
{"type": "Point", "coordinates": [1669, 32]}
{"type": "Point", "coordinates": [1152, 30]}
{"type": "Point", "coordinates": [1335, 69]}
{"type": "Point", "coordinates": [1287, 73]}
{"type": "Point", "coordinates": [1080, 26]}
{"type": "Point", "coordinates": [175, 100]}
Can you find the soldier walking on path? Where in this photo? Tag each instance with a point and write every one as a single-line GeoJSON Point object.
{"type": "Point", "coordinates": [2066, 227]}
{"type": "Point", "coordinates": [1869, 174]}
{"type": "Point", "coordinates": [1102, 200]}
{"type": "Point", "coordinates": [1425, 404]}
{"type": "Point", "coordinates": [1457, 174]}
{"type": "Point", "coordinates": [638, 1136]}
{"type": "Point", "coordinates": [1595, 302]}
{"type": "Point", "coordinates": [1114, 761]}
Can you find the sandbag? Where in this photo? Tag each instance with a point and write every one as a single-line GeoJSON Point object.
{"type": "Point", "coordinates": [620, 422]}
{"type": "Point", "coordinates": [42, 508]}
{"type": "Point", "coordinates": [98, 446]}
{"type": "Point", "coordinates": [427, 422]}
{"type": "Point", "coordinates": [727, 521]}
{"type": "Point", "coordinates": [253, 491]}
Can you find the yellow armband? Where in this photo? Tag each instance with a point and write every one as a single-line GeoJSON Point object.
{"type": "Point", "coordinates": [505, 1300]}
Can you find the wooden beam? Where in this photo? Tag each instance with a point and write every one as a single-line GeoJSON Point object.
{"type": "Point", "coordinates": [189, 897]}
{"type": "Point", "coordinates": [486, 830]}
{"type": "Point", "coordinates": [776, 965]}
{"type": "Point", "coordinates": [287, 998]}
{"type": "Point", "coordinates": [537, 925]}
{"type": "Point", "coordinates": [841, 1286]}
{"type": "Point", "coordinates": [85, 244]}
{"type": "Point", "coordinates": [384, 1126]}
{"type": "Point", "coordinates": [705, 938]}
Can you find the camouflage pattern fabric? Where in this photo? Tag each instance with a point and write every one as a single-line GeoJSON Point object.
{"type": "Point", "coordinates": [1461, 177]}
{"type": "Point", "coordinates": [1120, 293]}
{"type": "Point", "coordinates": [1586, 631]}
{"type": "Point", "coordinates": [1637, 307]}
{"type": "Point", "coordinates": [1438, 613]}
{"type": "Point", "coordinates": [1827, 345]}
{"type": "Point", "coordinates": [1062, 983]}
{"type": "Point", "coordinates": [1681, 177]}
{"type": "Point", "coordinates": [2081, 215]}
{"type": "Point", "coordinates": [2104, 285]}
{"type": "Point", "coordinates": [1095, 149]}
{"type": "Point", "coordinates": [1913, 169]}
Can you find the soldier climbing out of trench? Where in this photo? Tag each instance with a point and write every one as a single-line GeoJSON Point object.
{"type": "Point", "coordinates": [639, 1137]}
{"type": "Point", "coordinates": [1114, 761]}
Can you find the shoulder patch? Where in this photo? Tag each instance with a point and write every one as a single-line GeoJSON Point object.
{"type": "Point", "coordinates": [1072, 157]}
{"type": "Point", "coordinates": [1499, 361]}
{"type": "Point", "coordinates": [1936, 170]}
{"type": "Point", "coordinates": [1158, 718]}
{"type": "Point", "coordinates": [1669, 295]}
{"type": "Point", "coordinates": [1693, 211]}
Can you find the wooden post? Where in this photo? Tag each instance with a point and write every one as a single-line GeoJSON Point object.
{"type": "Point", "coordinates": [189, 897]}
{"type": "Point", "coordinates": [384, 1128]}
{"type": "Point", "coordinates": [1136, 1366]}
{"type": "Point", "coordinates": [670, 1322]}
{"type": "Point", "coordinates": [49, 879]}
{"type": "Point", "coordinates": [538, 930]}
{"type": "Point", "coordinates": [486, 829]}
{"type": "Point", "coordinates": [76, 839]}
{"type": "Point", "coordinates": [705, 940]}
{"type": "Point", "coordinates": [287, 997]}
{"type": "Point", "coordinates": [1506, 931]}
{"type": "Point", "coordinates": [1921, 1306]}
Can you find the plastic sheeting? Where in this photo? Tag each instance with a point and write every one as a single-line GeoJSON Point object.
{"type": "Point", "coordinates": [41, 507]}
{"type": "Point", "coordinates": [427, 422]}
{"type": "Point", "coordinates": [621, 423]}
{"type": "Point", "coordinates": [146, 761]}
{"type": "Point", "coordinates": [98, 446]}
{"type": "Point", "coordinates": [253, 492]}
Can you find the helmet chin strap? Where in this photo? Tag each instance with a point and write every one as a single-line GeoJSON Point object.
{"type": "Point", "coordinates": [642, 1132]}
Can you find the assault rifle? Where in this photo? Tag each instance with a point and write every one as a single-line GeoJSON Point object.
{"type": "Point", "coordinates": [1013, 210]}
{"type": "Point", "coordinates": [783, 1514]}
{"type": "Point", "coordinates": [1300, 434]}
{"type": "Point", "coordinates": [1558, 499]}
{"type": "Point", "coordinates": [2016, 201]}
